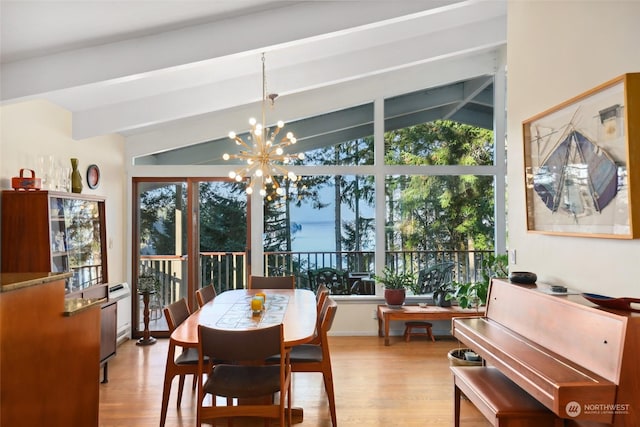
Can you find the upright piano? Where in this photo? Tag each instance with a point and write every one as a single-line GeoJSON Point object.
{"type": "Point", "coordinates": [579, 360]}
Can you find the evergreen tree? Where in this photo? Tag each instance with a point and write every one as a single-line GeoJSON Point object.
{"type": "Point", "coordinates": [223, 217]}
{"type": "Point", "coordinates": [157, 221]}
{"type": "Point", "coordinates": [441, 212]}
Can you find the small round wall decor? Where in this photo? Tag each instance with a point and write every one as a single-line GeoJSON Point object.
{"type": "Point", "coordinates": [93, 176]}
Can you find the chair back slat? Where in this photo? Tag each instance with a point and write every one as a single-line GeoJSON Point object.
{"type": "Point", "coordinates": [321, 294]}
{"type": "Point", "coordinates": [244, 374]}
{"type": "Point", "coordinates": [240, 346]}
{"type": "Point", "coordinates": [205, 294]}
{"type": "Point", "coordinates": [176, 313]}
{"type": "Point", "coordinates": [329, 313]}
{"type": "Point", "coordinates": [272, 282]}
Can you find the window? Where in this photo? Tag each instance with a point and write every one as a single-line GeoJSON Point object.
{"type": "Point", "coordinates": [427, 183]}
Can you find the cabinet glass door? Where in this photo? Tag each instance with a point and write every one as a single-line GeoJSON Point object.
{"type": "Point", "coordinates": [59, 253]}
{"type": "Point", "coordinates": [76, 241]}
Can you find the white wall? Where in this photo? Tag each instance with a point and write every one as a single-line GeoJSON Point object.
{"type": "Point", "coordinates": [557, 50]}
{"type": "Point", "coordinates": [33, 128]}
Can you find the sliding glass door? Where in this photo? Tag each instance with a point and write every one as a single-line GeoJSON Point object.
{"type": "Point", "coordinates": [222, 235]}
{"type": "Point", "coordinates": [187, 233]}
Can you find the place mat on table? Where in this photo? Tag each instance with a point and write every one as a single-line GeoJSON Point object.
{"type": "Point", "coordinates": [240, 315]}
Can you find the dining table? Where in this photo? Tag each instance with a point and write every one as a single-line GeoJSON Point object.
{"type": "Point", "coordinates": [231, 310]}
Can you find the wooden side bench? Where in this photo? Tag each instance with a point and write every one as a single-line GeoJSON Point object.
{"type": "Point", "coordinates": [499, 399]}
{"type": "Point", "coordinates": [414, 312]}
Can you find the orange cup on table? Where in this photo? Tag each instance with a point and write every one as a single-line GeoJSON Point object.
{"type": "Point", "coordinates": [256, 304]}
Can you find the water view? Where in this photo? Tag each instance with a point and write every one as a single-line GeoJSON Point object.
{"type": "Point", "coordinates": [313, 236]}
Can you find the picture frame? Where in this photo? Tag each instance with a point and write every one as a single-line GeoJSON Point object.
{"type": "Point", "coordinates": [93, 176]}
{"type": "Point", "coordinates": [581, 163]}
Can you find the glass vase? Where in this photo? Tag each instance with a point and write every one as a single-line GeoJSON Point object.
{"type": "Point", "coordinates": [76, 179]}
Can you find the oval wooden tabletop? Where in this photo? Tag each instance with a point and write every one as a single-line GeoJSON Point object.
{"type": "Point", "coordinates": [231, 310]}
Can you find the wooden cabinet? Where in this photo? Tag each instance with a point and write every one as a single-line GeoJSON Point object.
{"type": "Point", "coordinates": [50, 351]}
{"type": "Point", "coordinates": [47, 231]}
{"type": "Point", "coordinates": [108, 335]}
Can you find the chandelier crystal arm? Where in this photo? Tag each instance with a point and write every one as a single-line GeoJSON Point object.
{"type": "Point", "coordinates": [240, 142]}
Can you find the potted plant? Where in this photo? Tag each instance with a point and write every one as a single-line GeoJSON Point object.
{"type": "Point", "coordinates": [148, 284]}
{"type": "Point", "coordinates": [395, 285]}
{"type": "Point", "coordinates": [469, 294]}
{"type": "Point", "coordinates": [441, 295]}
{"type": "Point", "coordinates": [474, 294]}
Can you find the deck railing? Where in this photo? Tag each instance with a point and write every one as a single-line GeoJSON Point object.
{"type": "Point", "coordinates": [228, 270]}
{"type": "Point", "coordinates": [224, 270]}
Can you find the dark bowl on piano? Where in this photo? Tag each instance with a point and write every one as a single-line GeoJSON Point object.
{"type": "Point", "coordinates": [523, 277]}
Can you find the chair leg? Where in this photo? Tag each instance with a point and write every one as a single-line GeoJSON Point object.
{"type": "Point", "coordinates": [230, 419]}
{"type": "Point", "coordinates": [180, 387]}
{"type": "Point", "coordinates": [457, 395]}
{"type": "Point", "coordinates": [288, 409]}
{"type": "Point", "coordinates": [327, 375]}
{"type": "Point", "coordinates": [166, 390]}
{"type": "Point", "coordinates": [165, 401]}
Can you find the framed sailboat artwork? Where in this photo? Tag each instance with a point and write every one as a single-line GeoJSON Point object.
{"type": "Point", "coordinates": [582, 158]}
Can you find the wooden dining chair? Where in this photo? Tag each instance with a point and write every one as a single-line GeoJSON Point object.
{"type": "Point", "coordinates": [185, 364]}
{"type": "Point", "coordinates": [272, 282]}
{"type": "Point", "coordinates": [316, 357]}
{"type": "Point", "coordinates": [249, 378]}
{"type": "Point", "coordinates": [205, 294]}
{"type": "Point", "coordinates": [322, 293]}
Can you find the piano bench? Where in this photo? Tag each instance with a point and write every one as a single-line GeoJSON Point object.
{"type": "Point", "coordinates": [499, 399]}
{"type": "Point", "coordinates": [410, 326]}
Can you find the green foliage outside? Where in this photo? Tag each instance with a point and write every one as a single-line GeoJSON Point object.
{"type": "Point", "coordinates": [223, 223]}
{"type": "Point", "coordinates": [474, 294]}
{"type": "Point", "coordinates": [440, 212]}
{"type": "Point", "coordinates": [157, 218]}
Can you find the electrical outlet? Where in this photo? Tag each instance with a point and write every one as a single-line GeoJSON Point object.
{"type": "Point", "coordinates": [513, 256]}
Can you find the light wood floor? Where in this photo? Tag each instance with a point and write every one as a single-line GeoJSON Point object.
{"type": "Point", "coordinates": [404, 385]}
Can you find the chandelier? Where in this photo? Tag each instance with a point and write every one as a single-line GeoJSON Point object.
{"type": "Point", "coordinates": [263, 154]}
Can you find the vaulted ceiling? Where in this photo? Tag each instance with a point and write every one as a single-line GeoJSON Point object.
{"type": "Point", "coordinates": [145, 68]}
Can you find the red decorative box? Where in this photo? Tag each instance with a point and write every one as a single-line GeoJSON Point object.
{"type": "Point", "coordinates": [24, 183]}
